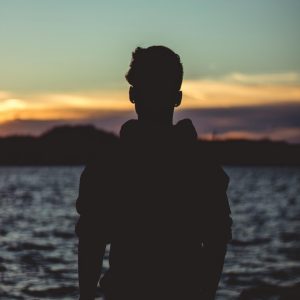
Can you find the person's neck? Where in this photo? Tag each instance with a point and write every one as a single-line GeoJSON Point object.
{"type": "Point", "coordinates": [157, 122]}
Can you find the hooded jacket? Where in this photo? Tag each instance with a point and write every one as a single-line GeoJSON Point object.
{"type": "Point", "coordinates": [162, 206]}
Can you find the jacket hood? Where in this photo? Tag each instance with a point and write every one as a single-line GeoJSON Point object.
{"type": "Point", "coordinates": [134, 130]}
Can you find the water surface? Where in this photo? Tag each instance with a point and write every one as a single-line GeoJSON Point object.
{"type": "Point", "coordinates": [38, 245]}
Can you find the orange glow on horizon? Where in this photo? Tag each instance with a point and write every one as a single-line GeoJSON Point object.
{"type": "Point", "coordinates": [231, 91]}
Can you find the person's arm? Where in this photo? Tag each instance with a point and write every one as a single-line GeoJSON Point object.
{"type": "Point", "coordinates": [214, 255]}
{"type": "Point", "coordinates": [90, 255]}
{"type": "Point", "coordinates": [217, 225]}
{"type": "Point", "coordinates": [92, 241]}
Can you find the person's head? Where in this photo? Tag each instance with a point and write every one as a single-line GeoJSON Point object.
{"type": "Point", "coordinates": [155, 77]}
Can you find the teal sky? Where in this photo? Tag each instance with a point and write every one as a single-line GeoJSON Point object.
{"type": "Point", "coordinates": [72, 45]}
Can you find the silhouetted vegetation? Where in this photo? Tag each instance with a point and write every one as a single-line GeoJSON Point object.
{"type": "Point", "coordinates": [64, 145]}
{"type": "Point", "coordinates": [75, 145]}
{"type": "Point", "coordinates": [250, 152]}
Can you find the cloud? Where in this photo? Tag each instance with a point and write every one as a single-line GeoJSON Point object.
{"type": "Point", "coordinates": [68, 106]}
{"type": "Point", "coordinates": [111, 122]}
{"type": "Point", "coordinates": [277, 122]}
{"type": "Point", "coordinates": [264, 79]}
{"type": "Point", "coordinates": [11, 104]}
{"type": "Point", "coordinates": [229, 93]}
{"type": "Point", "coordinates": [252, 105]}
{"type": "Point", "coordinates": [233, 90]}
{"type": "Point", "coordinates": [291, 135]}
{"type": "Point", "coordinates": [4, 95]}
{"type": "Point", "coordinates": [256, 118]}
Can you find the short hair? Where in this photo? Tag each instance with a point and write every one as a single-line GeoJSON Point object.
{"type": "Point", "coordinates": [155, 66]}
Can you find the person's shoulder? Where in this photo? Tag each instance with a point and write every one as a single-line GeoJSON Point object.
{"type": "Point", "coordinates": [220, 176]}
{"type": "Point", "coordinates": [105, 153]}
{"type": "Point", "coordinates": [185, 131]}
{"type": "Point", "coordinates": [210, 167]}
{"type": "Point", "coordinates": [130, 130]}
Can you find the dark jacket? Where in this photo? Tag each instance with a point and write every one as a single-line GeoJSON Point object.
{"type": "Point", "coordinates": [162, 206]}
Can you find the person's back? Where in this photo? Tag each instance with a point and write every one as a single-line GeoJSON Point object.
{"type": "Point", "coordinates": [161, 204]}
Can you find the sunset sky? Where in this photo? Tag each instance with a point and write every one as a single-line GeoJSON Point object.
{"type": "Point", "coordinates": [64, 61]}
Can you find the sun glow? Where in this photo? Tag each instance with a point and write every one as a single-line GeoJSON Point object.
{"type": "Point", "coordinates": [12, 104]}
{"type": "Point", "coordinates": [208, 93]}
{"type": "Point", "coordinates": [233, 90]}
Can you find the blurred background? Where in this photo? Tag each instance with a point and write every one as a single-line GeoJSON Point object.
{"type": "Point", "coordinates": [63, 94]}
{"type": "Point", "coordinates": [65, 61]}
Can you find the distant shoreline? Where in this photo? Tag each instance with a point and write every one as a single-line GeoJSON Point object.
{"type": "Point", "coordinates": [76, 145]}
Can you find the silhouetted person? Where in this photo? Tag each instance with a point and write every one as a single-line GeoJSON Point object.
{"type": "Point", "coordinates": [154, 197]}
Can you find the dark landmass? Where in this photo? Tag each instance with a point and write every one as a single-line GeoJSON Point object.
{"type": "Point", "coordinates": [75, 145]}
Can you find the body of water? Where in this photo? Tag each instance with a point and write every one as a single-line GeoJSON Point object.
{"type": "Point", "coordinates": [38, 246]}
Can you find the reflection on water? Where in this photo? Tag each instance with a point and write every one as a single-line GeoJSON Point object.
{"type": "Point", "coordinates": [38, 244]}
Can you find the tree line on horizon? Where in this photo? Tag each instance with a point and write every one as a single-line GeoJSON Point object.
{"type": "Point", "coordinates": [76, 145]}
